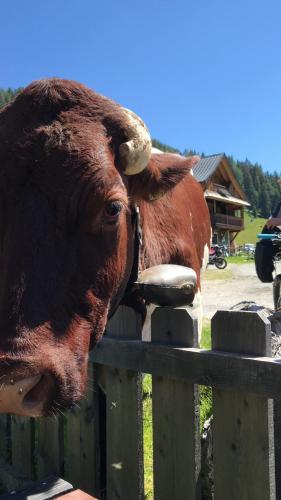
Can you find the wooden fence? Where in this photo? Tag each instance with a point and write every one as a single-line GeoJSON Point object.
{"type": "Point", "coordinates": [99, 447]}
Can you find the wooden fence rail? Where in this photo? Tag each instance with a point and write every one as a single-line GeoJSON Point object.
{"type": "Point", "coordinates": [99, 447]}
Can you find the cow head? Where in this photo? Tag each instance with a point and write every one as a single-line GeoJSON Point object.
{"type": "Point", "coordinates": [72, 164]}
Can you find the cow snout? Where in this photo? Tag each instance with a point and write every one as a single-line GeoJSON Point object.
{"type": "Point", "coordinates": [24, 397]}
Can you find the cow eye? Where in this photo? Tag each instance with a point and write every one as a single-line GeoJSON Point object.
{"type": "Point", "coordinates": [113, 208]}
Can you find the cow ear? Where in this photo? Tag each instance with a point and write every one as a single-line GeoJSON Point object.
{"type": "Point", "coordinates": [164, 171]}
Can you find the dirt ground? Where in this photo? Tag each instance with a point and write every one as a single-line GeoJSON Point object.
{"type": "Point", "coordinates": [240, 284]}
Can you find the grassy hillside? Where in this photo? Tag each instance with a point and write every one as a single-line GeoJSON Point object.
{"type": "Point", "coordinates": [253, 226]}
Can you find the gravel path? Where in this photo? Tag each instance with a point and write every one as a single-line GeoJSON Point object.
{"type": "Point", "coordinates": [242, 285]}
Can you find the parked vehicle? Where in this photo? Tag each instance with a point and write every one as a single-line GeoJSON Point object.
{"type": "Point", "coordinates": [249, 249]}
{"type": "Point", "coordinates": [274, 254]}
{"type": "Point", "coordinates": [216, 257]}
{"type": "Point", "coordinates": [224, 250]}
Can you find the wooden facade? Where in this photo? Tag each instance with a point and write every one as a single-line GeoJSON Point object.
{"type": "Point", "coordinates": [225, 198]}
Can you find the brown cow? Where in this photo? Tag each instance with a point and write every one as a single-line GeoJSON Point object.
{"type": "Point", "coordinates": [73, 164]}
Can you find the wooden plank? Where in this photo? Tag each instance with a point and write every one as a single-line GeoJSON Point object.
{"type": "Point", "coordinates": [49, 450]}
{"type": "Point", "coordinates": [4, 437]}
{"type": "Point", "coordinates": [124, 323]}
{"type": "Point", "coordinates": [176, 427]}
{"type": "Point", "coordinates": [243, 434]}
{"type": "Point", "coordinates": [248, 374]}
{"type": "Point", "coordinates": [45, 489]}
{"type": "Point", "coordinates": [124, 420]}
{"type": "Point", "coordinates": [124, 435]}
{"type": "Point", "coordinates": [99, 444]}
{"type": "Point", "coordinates": [80, 464]}
{"type": "Point", "coordinates": [22, 445]}
{"type": "Point", "coordinates": [11, 478]}
{"type": "Point", "coordinates": [277, 444]}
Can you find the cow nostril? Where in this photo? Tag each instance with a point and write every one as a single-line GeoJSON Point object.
{"type": "Point", "coordinates": [38, 394]}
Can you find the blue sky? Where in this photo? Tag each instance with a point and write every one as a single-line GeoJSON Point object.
{"type": "Point", "coordinates": [203, 74]}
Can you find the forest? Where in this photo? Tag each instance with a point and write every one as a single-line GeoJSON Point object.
{"type": "Point", "coordinates": [260, 186]}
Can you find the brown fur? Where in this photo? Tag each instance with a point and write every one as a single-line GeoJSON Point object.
{"type": "Point", "coordinates": [64, 262]}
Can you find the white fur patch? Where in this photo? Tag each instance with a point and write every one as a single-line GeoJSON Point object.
{"type": "Point", "coordinates": [146, 329]}
{"type": "Point", "coordinates": [205, 259]}
{"type": "Point", "coordinates": [197, 312]}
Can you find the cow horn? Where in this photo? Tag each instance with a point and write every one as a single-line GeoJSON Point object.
{"type": "Point", "coordinates": [134, 154]}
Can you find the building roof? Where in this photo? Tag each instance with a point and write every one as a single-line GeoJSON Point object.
{"type": "Point", "coordinates": [226, 196]}
{"type": "Point", "coordinates": [206, 166]}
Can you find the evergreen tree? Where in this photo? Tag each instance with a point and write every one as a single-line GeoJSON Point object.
{"type": "Point", "coordinates": [164, 147]}
{"type": "Point", "coordinates": [6, 95]}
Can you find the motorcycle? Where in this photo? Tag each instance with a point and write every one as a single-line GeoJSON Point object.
{"type": "Point", "coordinates": [216, 257]}
{"type": "Point", "coordinates": [274, 257]}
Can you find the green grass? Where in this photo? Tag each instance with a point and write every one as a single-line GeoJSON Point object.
{"type": "Point", "coordinates": [205, 392]}
{"type": "Point", "coordinates": [206, 334]}
{"type": "Point", "coordinates": [205, 413]}
{"type": "Point", "coordinates": [252, 228]}
{"type": "Point", "coordinates": [220, 274]}
{"type": "Point", "coordinates": [147, 437]}
{"type": "Point", "coordinates": [239, 259]}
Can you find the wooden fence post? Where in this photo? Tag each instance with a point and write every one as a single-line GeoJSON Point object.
{"type": "Point", "coordinates": [22, 445]}
{"type": "Point", "coordinates": [176, 430]}
{"type": "Point", "coordinates": [243, 423]}
{"type": "Point", "coordinates": [124, 417]}
{"type": "Point", "coordinates": [80, 453]}
{"type": "Point", "coordinates": [50, 444]}
{"type": "Point", "coordinates": [4, 438]}
{"type": "Point", "coordinates": [277, 445]}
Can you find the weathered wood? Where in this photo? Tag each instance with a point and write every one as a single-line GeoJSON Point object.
{"type": "Point", "coordinates": [243, 424]}
{"type": "Point", "coordinates": [277, 445]}
{"type": "Point", "coordinates": [124, 435]}
{"type": "Point", "coordinates": [124, 323]}
{"type": "Point", "coordinates": [176, 432]}
{"type": "Point", "coordinates": [100, 431]}
{"type": "Point", "coordinates": [45, 489]}
{"type": "Point", "coordinates": [124, 419]}
{"type": "Point", "coordinates": [248, 374]}
{"type": "Point", "coordinates": [49, 446]}
{"type": "Point", "coordinates": [22, 445]}
{"type": "Point", "coordinates": [11, 478]}
{"type": "Point", "coordinates": [4, 437]}
{"type": "Point", "coordinates": [80, 450]}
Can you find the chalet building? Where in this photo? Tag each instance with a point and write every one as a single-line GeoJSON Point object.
{"type": "Point", "coordinates": [225, 198]}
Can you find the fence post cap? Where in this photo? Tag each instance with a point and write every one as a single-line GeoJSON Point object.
{"type": "Point", "coordinates": [176, 325]}
{"type": "Point", "coordinates": [228, 314]}
{"type": "Point", "coordinates": [246, 332]}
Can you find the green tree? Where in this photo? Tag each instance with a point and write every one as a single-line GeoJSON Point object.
{"type": "Point", "coordinates": [6, 95]}
{"type": "Point", "coordinates": [164, 147]}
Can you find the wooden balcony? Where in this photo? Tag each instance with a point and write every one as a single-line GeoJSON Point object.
{"type": "Point", "coordinates": [230, 222]}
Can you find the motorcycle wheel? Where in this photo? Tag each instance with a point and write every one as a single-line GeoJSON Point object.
{"type": "Point", "coordinates": [220, 263]}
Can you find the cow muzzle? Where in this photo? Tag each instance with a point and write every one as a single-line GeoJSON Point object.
{"type": "Point", "coordinates": [24, 397]}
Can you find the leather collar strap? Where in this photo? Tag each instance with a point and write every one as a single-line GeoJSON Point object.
{"type": "Point", "coordinates": [137, 235]}
{"type": "Point", "coordinates": [137, 246]}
